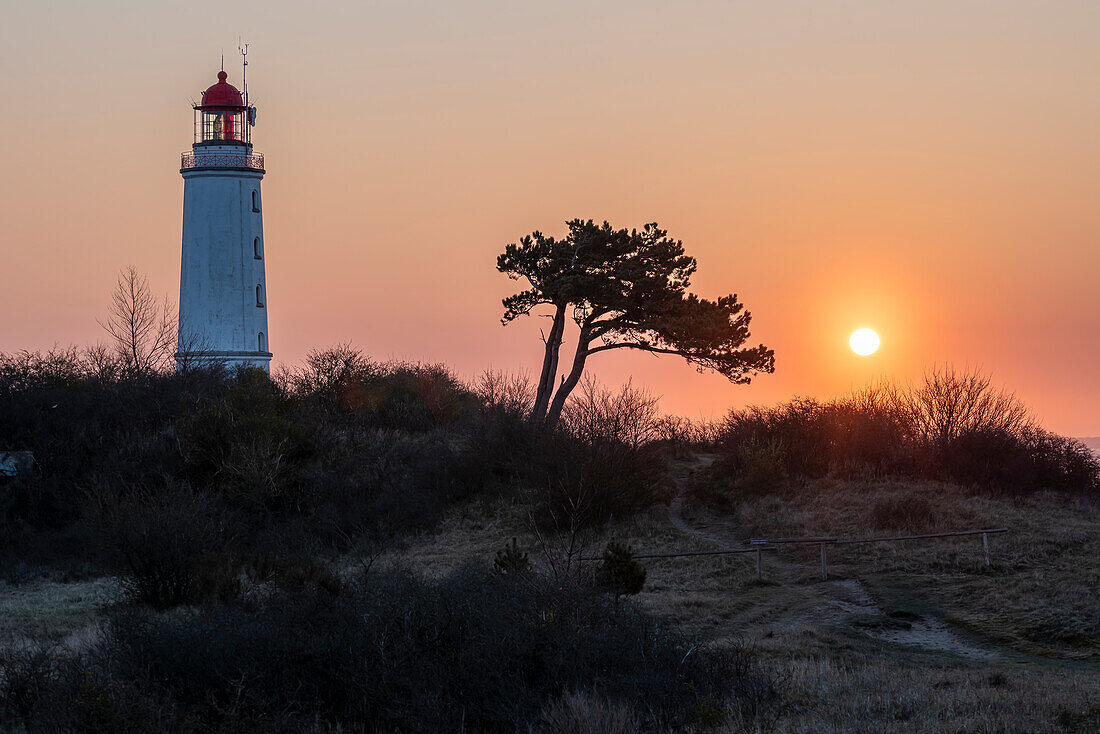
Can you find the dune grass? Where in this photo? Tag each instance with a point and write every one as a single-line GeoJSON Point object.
{"type": "Point", "coordinates": [1039, 596]}
{"type": "Point", "coordinates": [1034, 615]}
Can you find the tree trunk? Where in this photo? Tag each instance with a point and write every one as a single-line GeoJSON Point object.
{"type": "Point", "coordinates": [549, 366]}
{"type": "Point", "coordinates": [571, 380]}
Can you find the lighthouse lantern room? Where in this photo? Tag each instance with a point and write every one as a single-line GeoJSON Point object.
{"type": "Point", "coordinates": [223, 288]}
{"type": "Point", "coordinates": [222, 116]}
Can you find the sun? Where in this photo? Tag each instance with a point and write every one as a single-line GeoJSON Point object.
{"type": "Point", "coordinates": [864, 341]}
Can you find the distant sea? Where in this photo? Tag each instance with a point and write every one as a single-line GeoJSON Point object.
{"type": "Point", "coordinates": [1093, 442]}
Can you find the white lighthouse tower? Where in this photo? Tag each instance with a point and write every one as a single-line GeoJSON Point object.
{"type": "Point", "coordinates": [223, 290]}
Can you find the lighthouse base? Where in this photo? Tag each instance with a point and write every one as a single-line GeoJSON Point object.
{"type": "Point", "coordinates": [230, 361]}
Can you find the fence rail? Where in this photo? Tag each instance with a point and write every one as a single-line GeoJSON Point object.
{"type": "Point", "coordinates": [759, 545]}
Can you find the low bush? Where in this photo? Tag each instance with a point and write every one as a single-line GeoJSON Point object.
{"type": "Point", "coordinates": [172, 546]}
{"type": "Point", "coordinates": [470, 652]}
{"type": "Point", "coordinates": [579, 712]}
{"type": "Point", "coordinates": [620, 573]}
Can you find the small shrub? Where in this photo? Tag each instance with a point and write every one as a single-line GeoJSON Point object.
{"type": "Point", "coordinates": [511, 561]}
{"type": "Point", "coordinates": [620, 573]}
{"type": "Point", "coordinates": [297, 574]}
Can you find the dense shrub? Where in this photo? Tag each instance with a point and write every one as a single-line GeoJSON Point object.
{"type": "Point", "coordinates": [471, 652]}
{"type": "Point", "coordinates": [246, 444]}
{"type": "Point", "coordinates": [172, 546]}
{"type": "Point", "coordinates": [394, 395]}
{"type": "Point", "coordinates": [341, 451]}
{"type": "Point", "coordinates": [954, 426]}
{"type": "Point", "coordinates": [605, 460]}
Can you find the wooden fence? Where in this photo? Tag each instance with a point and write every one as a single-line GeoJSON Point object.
{"type": "Point", "coordinates": [759, 545]}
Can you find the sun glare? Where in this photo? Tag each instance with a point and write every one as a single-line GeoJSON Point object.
{"type": "Point", "coordinates": [864, 341]}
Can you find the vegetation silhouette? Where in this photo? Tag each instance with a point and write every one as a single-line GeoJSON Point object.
{"type": "Point", "coordinates": [625, 289]}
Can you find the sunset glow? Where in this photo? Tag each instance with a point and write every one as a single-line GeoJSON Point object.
{"type": "Point", "coordinates": [934, 165]}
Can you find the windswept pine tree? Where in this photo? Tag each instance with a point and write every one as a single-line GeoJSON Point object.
{"type": "Point", "coordinates": [624, 289]}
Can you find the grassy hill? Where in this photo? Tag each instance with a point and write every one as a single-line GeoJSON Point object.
{"type": "Point", "coordinates": [325, 551]}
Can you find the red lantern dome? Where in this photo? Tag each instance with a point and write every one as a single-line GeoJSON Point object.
{"type": "Point", "coordinates": [222, 94]}
{"type": "Point", "coordinates": [223, 117]}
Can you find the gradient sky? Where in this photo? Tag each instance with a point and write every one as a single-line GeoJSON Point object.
{"type": "Point", "coordinates": [928, 169]}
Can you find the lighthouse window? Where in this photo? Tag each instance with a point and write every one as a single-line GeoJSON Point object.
{"type": "Point", "coordinates": [256, 251]}
{"type": "Point", "coordinates": [261, 342]}
{"type": "Point", "coordinates": [259, 297]}
{"type": "Point", "coordinates": [255, 201]}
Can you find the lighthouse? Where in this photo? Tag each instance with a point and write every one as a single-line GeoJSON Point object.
{"type": "Point", "coordinates": [223, 288]}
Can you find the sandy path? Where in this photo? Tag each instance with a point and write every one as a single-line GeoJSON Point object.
{"type": "Point", "coordinates": [848, 597]}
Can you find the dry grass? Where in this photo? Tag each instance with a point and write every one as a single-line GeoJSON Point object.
{"type": "Point", "coordinates": [1035, 613]}
{"type": "Point", "coordinates": [882, 694]}
{"type": "Point", "coordinates": [587, 713]}
{"type": "Point", "coordinates": [1039, 596]}
{"type": "Point", "coordinates": [51, 612]}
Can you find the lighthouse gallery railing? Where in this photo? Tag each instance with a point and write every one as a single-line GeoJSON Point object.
{"type": "Point", "coordinates": [222, 160]}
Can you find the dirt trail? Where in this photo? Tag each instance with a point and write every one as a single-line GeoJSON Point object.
{"type": "Point", "coordinates": [842, 599]}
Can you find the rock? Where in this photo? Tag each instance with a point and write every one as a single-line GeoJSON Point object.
{"type": "Point", "coordinates": [16, 463]}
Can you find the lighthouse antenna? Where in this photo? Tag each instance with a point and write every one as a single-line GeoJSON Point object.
{"type": "Point", "coordinates": [243, 48]}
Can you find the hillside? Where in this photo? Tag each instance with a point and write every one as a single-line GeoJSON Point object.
{"type": "Point", "coordinates": [383, 547]}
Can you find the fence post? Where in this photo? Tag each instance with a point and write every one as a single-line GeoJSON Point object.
{"type": "Point", "coordinates": [759, 564]}
{"type": "Point", "coordinates": [824, 564]}
{"type": "Point", "coordinates": [985, 544]}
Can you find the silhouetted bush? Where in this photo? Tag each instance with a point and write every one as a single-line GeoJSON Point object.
{"type": "Point", "coordinates": [390, 395]}
{"type": "Point", "coordinates": [953, 426]}
{"type": "Point", "coordinates": [761, 467]}
{"type": "Point", "coordinates": [471, 652]}
{"type": "Point", "coordinates": [246, 444]}
{"type": "Point", "coordinates": [620, 573]}
{"type": "Point", "coordinates": [172, 546]}
{"type": "Point", "coordinates": [605, 459]}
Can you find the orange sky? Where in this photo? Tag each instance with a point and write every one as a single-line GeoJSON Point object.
{"type": "Point", "coordinates": [928, 169]}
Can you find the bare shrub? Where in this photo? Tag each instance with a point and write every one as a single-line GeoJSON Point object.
{"type": "Point", "coordinates": [325, 370]}
{"type": "Point", "coordinates": [628, 416]}
{"type": "Point", "coordinates": [684, 432]}
{"type": "Point", "coordinates": [513, 395]}
{"type": "Point", "coordinates": [603, 462]}
{"type": "Point", "coordinates": [950, 403]}
{"type": "Point", "coordinates": [585, 712]}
